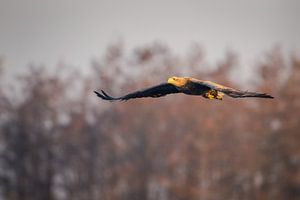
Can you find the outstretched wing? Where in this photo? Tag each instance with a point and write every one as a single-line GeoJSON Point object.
{"type": "Point", "coordinates": [233, 92]}
{"type": "Point", "coordinates": [155, 91]}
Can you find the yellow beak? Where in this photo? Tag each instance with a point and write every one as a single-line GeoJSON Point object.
{"type": "Point", "coordinates": [171, 81]}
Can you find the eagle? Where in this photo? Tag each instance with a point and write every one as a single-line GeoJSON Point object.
{"type": "Point", "coordinates": [188, 86]}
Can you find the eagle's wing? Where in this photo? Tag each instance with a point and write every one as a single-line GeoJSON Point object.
{"type": "Point", "coordinates": [234, 92]}
{"type": "Point", "coordinates": [155, 91]}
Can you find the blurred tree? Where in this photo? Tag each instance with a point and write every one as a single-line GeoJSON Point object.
{"type": "Point", "coordinates": [58, 141]}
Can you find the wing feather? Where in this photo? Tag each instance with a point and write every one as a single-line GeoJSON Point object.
{"type": "Point", "coordinates": [154, 92]}
{"type": "Point", "coordinates": [234, 92]}
{"type": "Point", "coordinates": [243, 94]}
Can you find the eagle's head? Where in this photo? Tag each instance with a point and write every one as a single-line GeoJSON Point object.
{"type": "Point", "coordinates": [178, 81]}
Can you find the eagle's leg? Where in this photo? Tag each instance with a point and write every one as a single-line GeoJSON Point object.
{"type": "Point", "coordinates": [213, 94]}
{"type": "Point", "coordinates": [219, 95]}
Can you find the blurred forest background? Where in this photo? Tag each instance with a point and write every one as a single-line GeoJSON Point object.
{"type": "Point", "coordinates": [58, 141]}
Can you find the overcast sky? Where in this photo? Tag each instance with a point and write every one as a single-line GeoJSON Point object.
{"type": "Point", "coordinates": [74, 31]}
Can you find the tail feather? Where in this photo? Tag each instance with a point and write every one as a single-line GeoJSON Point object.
{"type": "Point", "coordinates": [241, 94]}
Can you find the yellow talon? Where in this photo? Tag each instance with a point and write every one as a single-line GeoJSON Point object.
{"type": "Point", "coordinates": [210, 96]}
{"type": "Point", "coordinates": [220, 95]}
